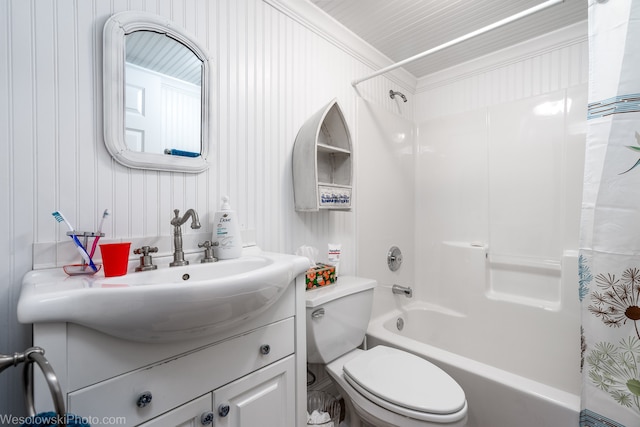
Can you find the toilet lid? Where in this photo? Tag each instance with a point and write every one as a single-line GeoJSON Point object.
{"type": "Point", "coordinates": [405, 380]}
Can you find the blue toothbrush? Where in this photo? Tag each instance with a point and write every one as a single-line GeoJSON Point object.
{"type": "Point", "coordinates": [83, 252]}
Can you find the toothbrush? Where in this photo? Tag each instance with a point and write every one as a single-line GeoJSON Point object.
{"type": "Point", "coordinates": [99, 232]}
{"type": "Point", "coordinates": [83, 252]}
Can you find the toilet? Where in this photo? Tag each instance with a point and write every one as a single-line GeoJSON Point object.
{"type": "Point", "coordinates": [381, 386]}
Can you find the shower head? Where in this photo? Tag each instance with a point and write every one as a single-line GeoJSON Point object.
{"type": "Point", "coordinates": [393, 94]}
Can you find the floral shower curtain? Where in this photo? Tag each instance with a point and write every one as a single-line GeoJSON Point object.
{"type": "Point", "coordinates": [609, 282]}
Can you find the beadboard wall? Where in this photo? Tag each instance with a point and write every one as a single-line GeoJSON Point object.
{"type": "Point", "coordinates": [277, 63]}
{"type": "Point", "coordinates": [555, 61]}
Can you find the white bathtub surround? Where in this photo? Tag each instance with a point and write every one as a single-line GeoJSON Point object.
{"type": "Point", "coordinates": [609, 266]}
{"type": "Point", "coordinates": [492, 254]}
{"type": "Point", "coordinates": [517, 362]}
{"type": "Point", "coordinates": [507, 182]}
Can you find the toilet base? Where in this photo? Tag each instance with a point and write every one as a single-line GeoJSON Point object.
{"type": "Point", "coordinates": [361, 411]}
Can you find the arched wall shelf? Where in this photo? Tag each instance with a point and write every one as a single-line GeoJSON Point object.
{"type": "Point", "coordinates": [322, 162]}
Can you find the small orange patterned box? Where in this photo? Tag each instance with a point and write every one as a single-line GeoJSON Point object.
{"type": "Point", "coordinates": [320, 275]}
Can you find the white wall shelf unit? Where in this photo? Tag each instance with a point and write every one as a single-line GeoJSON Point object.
{"type": "Point", "coordinates": [322, 162]}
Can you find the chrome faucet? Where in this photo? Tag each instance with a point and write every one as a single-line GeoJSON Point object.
{"type": "Point", "coordinates": [402, 290]}
{"type": "Point", "coordinates": [178, 253]}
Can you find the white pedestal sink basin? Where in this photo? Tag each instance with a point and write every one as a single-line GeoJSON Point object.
{"type": "Point", "coordinates": [167, 304]}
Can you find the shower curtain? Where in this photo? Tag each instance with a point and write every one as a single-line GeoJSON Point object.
{"type": "Point", "coordinates": [609, 262]}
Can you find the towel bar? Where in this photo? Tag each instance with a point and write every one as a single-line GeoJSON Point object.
{"type": "Point", "coordinates": [29, 357]}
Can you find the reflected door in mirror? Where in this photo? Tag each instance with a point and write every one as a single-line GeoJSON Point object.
{"type": "Point", "coordinates": [163, 94]}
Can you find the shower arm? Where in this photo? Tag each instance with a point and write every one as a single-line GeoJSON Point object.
{"type": "Point", "coordinates": [393, 95]}
{"type": "Point", "coordinates": [470, 35]}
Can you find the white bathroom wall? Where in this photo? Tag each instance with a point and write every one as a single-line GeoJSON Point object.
{"type": "Point", "coordinates": [277, 62]}
{"type": "Point", "coordinates": [385, 198]}
{"type": "Point", "coordinates": [499, 164]}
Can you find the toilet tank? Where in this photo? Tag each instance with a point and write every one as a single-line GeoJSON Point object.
{"type": "Point", "coordinates": [337, 317]}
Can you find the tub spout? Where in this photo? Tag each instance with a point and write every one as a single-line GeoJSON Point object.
{"type": "Point", "coordinates": [402, 290]}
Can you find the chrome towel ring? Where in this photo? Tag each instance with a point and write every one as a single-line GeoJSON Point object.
{"type": "Point", "coordinates": [29, 357]}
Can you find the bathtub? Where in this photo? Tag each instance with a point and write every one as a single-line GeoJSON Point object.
{"type": "Point", "coordinates": [511, 377]}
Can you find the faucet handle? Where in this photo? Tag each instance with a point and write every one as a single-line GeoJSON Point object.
{"type": "Point", "coordinates": [208, 251]}
{"type": "Point", "coordinates": [207, 244]}
{"type": "Point", "coordinates": [145, 250]}
{"type": "Point", "coordinates": [146, 262]}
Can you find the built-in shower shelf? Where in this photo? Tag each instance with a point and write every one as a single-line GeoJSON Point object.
{"type": "Point", "coordinates": [322, 162]}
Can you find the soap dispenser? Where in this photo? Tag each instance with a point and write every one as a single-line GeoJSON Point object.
{"type": "Point", "coordinates": [226, 232]}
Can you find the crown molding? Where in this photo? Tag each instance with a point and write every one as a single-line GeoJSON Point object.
{"type": "Point", "coordinates": [317, 21]}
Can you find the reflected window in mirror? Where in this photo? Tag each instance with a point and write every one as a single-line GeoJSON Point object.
{"type": "Point", "coordinates": [156, 86]}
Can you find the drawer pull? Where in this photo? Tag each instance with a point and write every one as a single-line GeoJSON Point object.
{"type": "Point", "coordinates": [144, 399]}
{"type": "Point", "coordinates": [223, 410]}
{"type": "Point", "coordinates": [265, 349]}
{"type": "Point", "coordinates": [206, 418]}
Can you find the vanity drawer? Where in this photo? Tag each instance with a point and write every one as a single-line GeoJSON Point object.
{"type": "Point", "coordinates": [170, 383]}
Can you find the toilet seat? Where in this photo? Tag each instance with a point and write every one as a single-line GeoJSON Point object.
{"type": "Point", "coordinates": [405, 384]}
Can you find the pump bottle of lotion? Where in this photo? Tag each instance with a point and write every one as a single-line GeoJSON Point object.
{"type": "Point", "coordinates": [226, 232]}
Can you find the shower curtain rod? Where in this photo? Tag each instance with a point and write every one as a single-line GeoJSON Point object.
{"type": "Point", "coordinates": [472, 34]}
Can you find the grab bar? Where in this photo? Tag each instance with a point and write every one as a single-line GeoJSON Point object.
{"type": "Point", "coordinates": [29, 357]}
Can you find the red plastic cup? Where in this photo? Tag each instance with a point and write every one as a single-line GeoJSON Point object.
{"type": "Point", "coordinates": [115, 258]}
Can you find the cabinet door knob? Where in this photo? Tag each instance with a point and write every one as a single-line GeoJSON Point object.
{"type": "Point", "coordinates": [144, 399]}
{"type": "Point", "coordinates": [223, 410]}
{"type": "Point", "coordinates": [318, 313]}
{"type": "Point", "coordinates": [206, 418]}
{"type": "Point", "coordinates": [265, 349]}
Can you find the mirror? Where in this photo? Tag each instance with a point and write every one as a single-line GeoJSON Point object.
{"type": "Point", "coordinates": [156, 94]}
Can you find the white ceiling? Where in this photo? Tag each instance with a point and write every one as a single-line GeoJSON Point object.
{"type": "Point", "coordinates": [403, 28]}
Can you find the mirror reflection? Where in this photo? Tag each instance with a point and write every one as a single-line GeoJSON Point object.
{"type": "Point", "coordinates": [157, 94]}
{"type": "Point", "coordinates": [163, 95]}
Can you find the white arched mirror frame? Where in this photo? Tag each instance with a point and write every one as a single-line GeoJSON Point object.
{"type": "Point", "coordinates": [115, 30]}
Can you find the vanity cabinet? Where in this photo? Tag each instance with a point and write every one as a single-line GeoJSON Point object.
{"type": "Point", "coordinates": [322, 162]}
{"type": "Point", "coordinates": [264, 398]}
{"type": "Point", "coordinates": [198, 412]}
{"type": "Point", "coordinates": [253, 374]}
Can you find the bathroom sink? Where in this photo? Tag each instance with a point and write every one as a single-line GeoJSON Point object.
{"type": "Point", "coordinates": [167, 304]}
